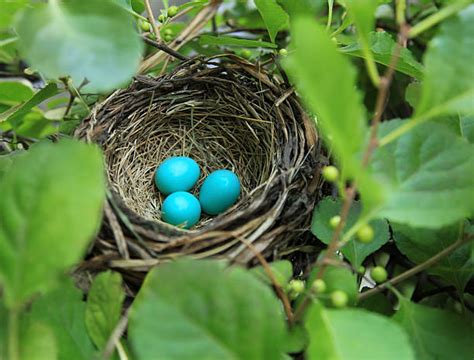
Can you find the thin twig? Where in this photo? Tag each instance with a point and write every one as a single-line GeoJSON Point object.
{"type": "Point", "coordinates": [152, 20]}
{"type": "Point", "coordinates": [413, 271]}
{"type": "Point", "coordinates": [116, 335]}
{"type": "Point", "coordinates": [165, 48]}
{"type": "Point", "coordinates": [350, 193]}
{"type": "Point", "coordinates": [281, 294]}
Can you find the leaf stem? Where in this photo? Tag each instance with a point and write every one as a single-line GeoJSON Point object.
{"type": "Point", "coordinates": [370, 64]}
{"type": "Point", "coordinates": [13, 348]}
{"type": "Point", "coordinates": [437, 17]}
{"type": "Point", "coordinates": [415, 270]}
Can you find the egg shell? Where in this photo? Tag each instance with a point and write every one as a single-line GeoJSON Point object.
{"type": "Point", "coordinates": [181, 209]}
{"type": "Point", "coordinates": [219, 191]}
{"type": "Point", "coordinates": [178, 173]}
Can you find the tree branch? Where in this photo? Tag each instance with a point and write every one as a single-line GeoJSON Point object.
{"type": "Point", "coordinates": [415, 270]}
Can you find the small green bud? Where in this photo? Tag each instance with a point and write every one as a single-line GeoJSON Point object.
{"type": "Point", "coordinates": [334, 221]}
{"type": "Point", "coordinates": [365, 234]}
{"type": "Point", "coordinates": [168, 37]}
{"type": "Point", "coordinates": [168, 31]}
{"type": "Point", "coordinates": [29, 71]}
{"type": "Point", "coordinates": [283, 52]}
{"type": "Point", "coordinates": [318, 286]}
{"type": "Point", "coordinates": [378, 274]}
{"type": "Point", "coordinates": [145, 26]}
{"type": "Point", "coordinates": [161, 18]}
{"type": "Point", "coordinates": [339, 299]}
{"type": "Point", "coordinates": [361, 270]}
{"type": "Point", "coordinates": [296, 286]}
{"type": "Point", "coordinates": [172, 11]}
{"type": "Point", "coordinates": [330, 173]}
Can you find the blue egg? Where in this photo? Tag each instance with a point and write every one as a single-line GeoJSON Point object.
{"type": "Point", "coordinates": [178, 173]}
{"type": "Point", "coordinates": [181, 209]}
{"type": "Point", "coordinates": [219, 191]}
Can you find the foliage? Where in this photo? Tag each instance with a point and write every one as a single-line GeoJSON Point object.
{"type": "Point", "coordinates": [401, 141]}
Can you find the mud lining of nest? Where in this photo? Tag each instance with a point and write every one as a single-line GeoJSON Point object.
{"type": "Point", "coordinates": [224, 113]}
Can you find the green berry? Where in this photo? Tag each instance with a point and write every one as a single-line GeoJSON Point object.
{"type": "Point", "coordinates": [168, 37]}
{"type": "Point", "coordinates": [365, 234]}
{"type": "Point", "coordinates": [378, 274]}
{"type": "Point", "coordinates": [330, 173]}
{"type": "Point", "coordinates": [318, 286]}
{"type": "Point", "coordinates": [145, 25]}
{"type": "Point", "coordinates": [283, 52]}
{"type": "Point", "coordinates": [334, 221]}
{"type": "Point", "coordinates": [296, 286]}
{"type": "Point", "coordinates": [339, 299]}
{"type": "Point", "coordinates": [246, 53]}
{"type": "Point", "coordinates": [161, 18]}
{"type": "Point", "coordinates": [168, 31]}
{"type": "Point", "coordinates": [172, 11]}
{"type": "Point", "coordinates": [361, 269]}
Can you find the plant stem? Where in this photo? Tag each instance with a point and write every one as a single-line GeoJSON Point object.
{"type": "Point", "coordinates": [382, 94]}
{"type": "Point", "coordinates": [152, 20]}
{"type": "Point", "coordinates": [281, 294]}
{"type": "Point", "coordinates": [13, 334]}
{"type": "Point", "coordinates": [330, 8]}
{"type": "Point", "coordinates": [437, 17]}
{"type": "Point", "coordinates": [415, 270]}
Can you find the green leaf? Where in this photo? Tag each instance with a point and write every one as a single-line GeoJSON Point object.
{"type": "Point", "coordinates": [200, 309]}
{"type": "Point", "coordinates": [337, 278]}
{"type": "Point", "coordinates": [88, 39]}
{"type": "Point", "coordinates": [104, 306]}
{"type": "Point", "coordinates": [428, 175]}
{"type": "Point", "coordinates": [232, 41]}
{"type": "Point", "coordinates": [354, 251]}
{"type": "Point", "coordinates": [449, 89]}
{"type": "Point", "coordinates": [20, 110]}
{"type": "Point", "coordinates": [8, 10]}
{"type": "Point", "coordinates": [420, 245]}
{"type": "Point", "coordinates": [273, 15]}
{"type": "Point", "coordinates": [138, 6]}
{"type": "Point", "coordinates": [12, 92]}
{"type": "Point", "coordinates": [63, 310]}
{"type": "Point", "coordinates": [37, 342]}
{"type": "Point", "coordinates": [281, 269]}
{"type": "Point", "coordinates": [467, 127]}
{"type": "Point", "coordinates": [51, 205]}
{"type": "Point", "coordinates": [297, 340]}
{"type": "Point", "coordinates": [3, 330]}
{"type": "Point", "coordinates": [434, 333]}
{"type": "Point", "coordinates": [362, 13]}
{"type": "Point", "coordinates": [382, 45]}
{"type": "Point", "coordinates": [302, 7]}
{"type": "Point", "coordinates": [353, 335]}
{"type": "Point", "coordinates": [377, 303]}
{"type": "Point", "coordinates": [326, 81]}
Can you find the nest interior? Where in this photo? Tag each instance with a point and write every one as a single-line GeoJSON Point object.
{"type": "Point", "coordinates": [224, 113]}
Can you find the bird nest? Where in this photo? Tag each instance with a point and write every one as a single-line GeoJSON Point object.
{"type": "Point", "coordinates": [226, 114]}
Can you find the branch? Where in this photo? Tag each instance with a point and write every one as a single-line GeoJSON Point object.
{"type": "Point", "coordinates": [165, 48]}
{"type": "Point", "coordinates": [415, 270]}
{"type": "Point", "coordinates": [281, 294]}
{"type": "Point", "coordinates": [382, 95]}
